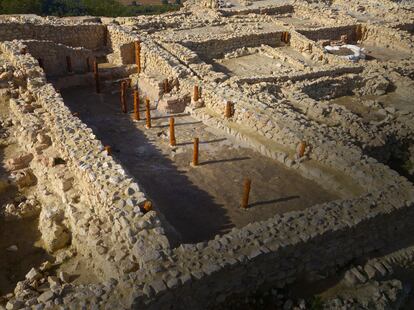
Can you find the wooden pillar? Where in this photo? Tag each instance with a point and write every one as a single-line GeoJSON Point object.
{"type": "Point", "coordinates": [228, 112]}
{"type": "Point", "coordinates": [196, 95]}
{"type": "Point", "coordinates": [246, 193]}
{"type": "Point", "coordinates": [147, 206]}
{"type": "Point", "coordinates": [108, 150]}
{"type": "Point", "coordinates": [123, 97]}
{"type": "Point", "coordinates": [138, 56]}
{"type": "Point", "coordinates": [69, 64]}
{"type": "Point", "coordinates": [195, 152]}
{"type": "Point", "coordinates": [96, 75]}
{"type": "Point", "coordinates": [136, 105]}
{"type": "Point", "coordinates": [148, 114]}
{"type": "Point", "coordinates": [172, 132]}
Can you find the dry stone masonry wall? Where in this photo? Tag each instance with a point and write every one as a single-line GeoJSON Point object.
{"type": "Point", "coordinates": [54, 57]}
{"type": "Point", "coordinates": [79, 35]}
{"type": "Point", "coordinates": [97, 172]}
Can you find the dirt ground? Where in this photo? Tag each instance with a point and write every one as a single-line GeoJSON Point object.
{"type": "Point", "coordinates": [14, 265]}
{"type": "Point", "coordinates": [255, 64]}
{"type": "Point", "coordinates": [353, 104]}
{"type": "Point", "coordinates": [383, 53]}
{"type": "Point", "coordinates": [259, 64]}
{"type": "Point", "coordinates": [203, 201]}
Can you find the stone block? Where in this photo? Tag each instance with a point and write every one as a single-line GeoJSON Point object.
{"type": "Point", "coordinates": [19, 162]}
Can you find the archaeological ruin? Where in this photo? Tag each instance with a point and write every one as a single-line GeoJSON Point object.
{"type": "Point", "coordinates": [230, 155]}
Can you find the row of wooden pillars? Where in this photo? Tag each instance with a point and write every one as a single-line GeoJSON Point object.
{"type": "Point", "coordinates": [195, 162]}
{"type": "Point", "coordinates": [136, 114]}
{"type": "Point", "coordinates": [229, 111]}
{"type": "Point", "coordinates": [173, 142]}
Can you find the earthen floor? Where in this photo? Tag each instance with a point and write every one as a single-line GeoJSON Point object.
{"type": "Point", "coordinates": [14, 265]}
{"type": "Point", "coordinates": [259, 64]}
{"type": "Point", "coordinates": [255, 64]}
{"type": "Point", "coordinates": [354, 105]}
{"type": "Point", "coordinates": [382, 53]}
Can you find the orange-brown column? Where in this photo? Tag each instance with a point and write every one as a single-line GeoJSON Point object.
{"type": "Point", "coordinates": [195, 152]}
{"type": "Point", "coordinates": [148, 113]}
{"type": "Point", "coordinates": [172, 132]}
{"type": "Point", "coordinates": [246, 192]}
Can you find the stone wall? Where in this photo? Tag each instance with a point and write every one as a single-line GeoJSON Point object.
{"type": "Point", "coordinates": [83, 79]}
{"type": "Point", "coordinates": [300, 76]}
{"type": "Point", "coordinates": [383, 36]}
{"type": "Point", "coordinates": [54, 55]}
{"type": "Point", "coordinates": [122, 45]}
{"type": "Point", "coordinates": [271, 10]}
{"type": "Point", "coordinates": [331, 33]}
{"type": "Point", "coordinates": [116, 205]}
{"type": "Point", "coordinates": [156, 60]}
{"type": "Point", "coordinates": [406, 27]}
{"type": "Point", "coordinates": [90, 36]}
{"type": "Point", "coordinates": [283, 249]}
{"type": "Point", "coordinates": [215, 48]}
{"type": "Point", "coordinates": [281, 129]}
{"type": "Point", "coordinates": [326, 89]}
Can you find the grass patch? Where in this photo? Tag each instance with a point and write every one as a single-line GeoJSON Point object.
{"type": "Point", "coordinates": [110, 8]}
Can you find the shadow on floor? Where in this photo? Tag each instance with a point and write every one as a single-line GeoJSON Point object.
{"type": "Point", "coordinates": [15, 265]}
{"type": "Point", "coordinates": [267, 202]}
{"type": "Point", "coordinates": [189, 209]}
{"type": "Point", "coordinates": [218, 161]}
{"type": "Point", "coordinates": [202, 142]}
